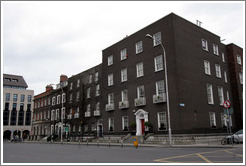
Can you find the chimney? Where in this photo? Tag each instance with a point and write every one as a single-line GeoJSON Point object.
{"type": "Point", "coordinates": [49, 88]}
{"type": "Point", "coordinates": [63, 78]}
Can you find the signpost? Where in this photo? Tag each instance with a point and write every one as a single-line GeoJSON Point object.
{"type": "Point", "coordinates": [135, 141]}
{"type": "Point", "coordinates": [227, 105]}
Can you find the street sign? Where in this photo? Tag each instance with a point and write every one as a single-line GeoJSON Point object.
{"type": "Point", "coordinates": [227, 104]}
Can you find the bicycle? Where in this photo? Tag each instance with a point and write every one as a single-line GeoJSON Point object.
{"type": "Point", "coordinates": [228, 140]}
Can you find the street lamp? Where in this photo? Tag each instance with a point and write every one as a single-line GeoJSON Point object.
{"type": "Point", "coordinates": [166, 80]}
{"type": "Point", "coordinates": [61, 114]}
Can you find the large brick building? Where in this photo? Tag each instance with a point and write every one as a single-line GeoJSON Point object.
{"type": "Point", "coordinates": [129, 88]}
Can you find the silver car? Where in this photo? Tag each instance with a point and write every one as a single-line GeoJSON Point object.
{"type": "Point", "coordinates": [238, 136]}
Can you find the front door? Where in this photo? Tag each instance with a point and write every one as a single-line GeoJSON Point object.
{"type": "Point", "coordinates": [142, 125]}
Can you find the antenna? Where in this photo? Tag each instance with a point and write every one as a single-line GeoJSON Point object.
{"type": "Point", "coordinates": [198, 23]}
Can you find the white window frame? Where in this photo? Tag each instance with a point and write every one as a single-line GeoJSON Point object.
{"type": "Point", "coordinates": [78, 83]}
{"type": "Point", "coordinates": [111, 123]}
{"type": "Point", "coordinates": [58, 99]}
{"type": "Point", "coordinates": [124, 75]}
{"type": "Point", "coordinates": [158, 63]}
{"type": "Point", "coordinates": [140, 69]}
{"type": "Point", "coordinates": [125, 122]}
{"type": "Point", "coordinates": [240, 74]}
{"type": "Point", "coordinates": [90, 78]}
{"type": "Point", "coordinates": [98, 106]}
{"type": "Point", "coordinates": [223, 57]}
{"type": "Point", "coordinates": [157, 38]}
{"type": "Point", "coordinates": [210, 93]}
{"type": "Point", "coordinates": [139, 47]}
{"type": "Point", "coordinates": [207, 67]}
{"type": "Point", "coordinates": [215, 49]}
{"type": "Point", "coordinates": [63, 113]}
{"type": "Point", "coordinates": [218, 70]}
{"type": "Point", "coordinates": [98, 90]}
{"type": "Point", "coordinates": [110, 60]}
{"type": "Point", "coordinates": [162, 118]}
{"type": "Point", "coordinates": [53, 100]}
{"type": "Point", "coordinates": [111, 98]}
{"type": "Point", "coordinates": [239, 60]}
{"type": "Point", "coordinates": [225, 75]}
{"type": "Point", "coordinates": [140, 91]}
{"type": "Point", "coordinates": [123, 54]}
{"type": "Point", "coordinates": [212, 119]}
{"type": "Point", "coordinates": [96, 76]}
{"type": "Point", "coordinates": [204, 44]}
{"type": "Point", "coordinates": [110, 79]}
{"type": "Point", "coordinates": [220, 95]}
{"type": "Point", "coordinates": [160, 88]}
{"type": "Point", "coordinates": [77, 96]}
{"type": "Point", "coordinates": [88, 109]}
{"type": "Point", "coordinates": [88, 94]}
{"type": "Point", "coordinates": [124, 95]}
{"type": "Point", "coordinates": [57, 114]}
{"type": "Point", "coordinates": [63, 97]}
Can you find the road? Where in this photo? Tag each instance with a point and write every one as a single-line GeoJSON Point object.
{"type": "Point", "coordinates": [57, 153]}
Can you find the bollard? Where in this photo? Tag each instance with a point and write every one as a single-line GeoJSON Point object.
{"type": "Point", "coordinates": [122, 142]}
{"type": "Point", "coordinates": [109, 141]}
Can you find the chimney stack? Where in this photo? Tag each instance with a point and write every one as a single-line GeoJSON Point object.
{"type": "Point", "coordinates": [49, 88]}
{"type": "Point", "coordinates": [63, 78]}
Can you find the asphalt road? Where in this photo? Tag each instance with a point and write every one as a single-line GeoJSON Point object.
{"type": "Point", "coordinates": [57, 153]}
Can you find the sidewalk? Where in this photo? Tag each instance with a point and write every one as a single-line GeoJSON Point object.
{"type": "Point", "coordinates": [141, 145]}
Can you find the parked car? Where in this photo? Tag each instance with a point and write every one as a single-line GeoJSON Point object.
{"type": "Point", "coordinates": [237, 137]}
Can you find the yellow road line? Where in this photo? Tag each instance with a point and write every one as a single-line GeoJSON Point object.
{"type": "Point", "coordinates": [239, 155]}
{"type": "Point", "coordinates": [204, 158]}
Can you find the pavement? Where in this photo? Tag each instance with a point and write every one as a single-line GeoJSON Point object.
{"type": "Point", "coordinates": [140, 144]}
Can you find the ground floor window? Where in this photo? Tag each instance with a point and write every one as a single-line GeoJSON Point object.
{"type": "Point", "coordinates": [125, 123]}
{"type": "Point", "coordinates": [111, 124]}
{"type": "Point", "coordinates": [162, 121]}
{"type": "Point", "coordinates": [212, 119]}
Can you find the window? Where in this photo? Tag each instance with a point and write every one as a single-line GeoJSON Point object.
{"type": "Point", "coordinates": [140, 91]}
{"type": "Point", "coordinates": [207, 67]}
{"type": "Point", "coordinates": [215, 49]}
{"type": "Point", "coordinates": [158, 63]}
{"type": "Point", "coordinates": [157, 38]}
{"type": "Point", "coordinates": [98, 106]}
{"type": "Point", "coordinates": [63, 113]}
{"type": "Point", "coordinates": [204, 45]}
{"type": "Point", "coordinates": [88, 108]}
{"type": "Point", "coordinates": [22, 99]}
{"type": "Point", "coordinates": [70, 98]}
{"type": "Point", "coordinates": [140, 71]}
{"type": "Point", "coordinates": [162, 121]}
{"type": "Point", "coordinates": [53, 115]}
{"type": "Point", "coordinates": [125, 123]}
{"type": "Point", "coordinates": [123, 54]}
{"type": "Point", "coordinates": [90, 78]}
{"type": "Point", "coordinates": [210, 94]}
{"type": "Point", "coordinates": [7, 97]}
{"type": "Point", "coordinates": [241, 77]}
{"type": "Point", "coordinates": [124, 95]}
{"type": "Point", "coordinates": [111, 124]}
{"type": "Point", "coordinates": [223, 120]}
{"type": "Point", "coordinates": [97, 90]}
{"type": "Point", "coordinates": [217, 71]}
{"type": "Point", "coordinates": [225, 75]}
{"type": "Point", "coordinates": [96, 76]}
{"type": "Point", "coordinates": [48, 101]}
{"type": "Point", "coordinates": [29, 98]}
{"type": "Point", "coordinates": [77, 96]}
{"type": "Point", "coordinates": [58, 99]}
{"type": "Point", "coordinates": [221, 95]}
{"type": "Point", "coordinates": [139, 47]}
{"type": "Point", "coordinates": [160, 89]}
{"type": "Point", "coordinates": [212, 119]}
{"type": "Point", "coordinates": [111, 98]}
{"type": "Point", "coordinates": [63, 98]}
{"type": "Point", "coordinates": [78, 83]}
{"type": "Point", "coordinates": [110, 80]}
{"type": "Point", "coordinates": [123, 75]}
{"type": "Point", "coordinates": [53, 100]}
{"type": "Point", "coordinates": [223, 57]}
{"type": "Point", "coordinates": [57, 114]}
{"type": "Point", "coordinates": [88, 93]}
{"type": "Point", "coordinates": [110, 60]}
{"type": "Point", "coordinates": [239, 59]}
{"type": "Point", "coordinates": [15, 96]}
{"type": "Point", "coordinates": [71, 86]}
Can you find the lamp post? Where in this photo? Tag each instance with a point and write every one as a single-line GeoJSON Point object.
{"type": "Point", "coordinates": [61, 114]}
{"type": "Point", "coordinates": [166, 81]}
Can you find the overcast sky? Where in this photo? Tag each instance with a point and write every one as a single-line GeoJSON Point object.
{"type": "Point", "coordinates": [42, 40]}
